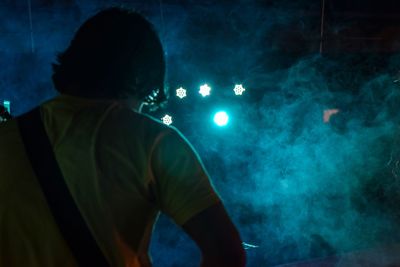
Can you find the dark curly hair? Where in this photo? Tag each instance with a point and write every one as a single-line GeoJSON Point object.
{"type": "Point", "coordinates": [114, 54]}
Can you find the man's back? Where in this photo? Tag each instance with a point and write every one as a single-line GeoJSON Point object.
{"type": "Point", "coordinates": [27, 232]}
{"type": "Point", "coordinates": [121, 168]}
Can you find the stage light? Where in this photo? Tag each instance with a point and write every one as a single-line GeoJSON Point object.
{"type": "Point", "coordinates": [181, 92]}
{"type": "Point", "coordinates": [221, 118]}
{"type": "Point", "coordinates": [205, 90]}
{"type": "Point", "coordinates": [7, 105]}
{"type": "Point", "coordinates": [167, 119]}
{"type": "Point", "coordinates": [239, 89]}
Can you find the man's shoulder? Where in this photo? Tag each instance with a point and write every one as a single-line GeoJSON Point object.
{"type": "Point", "coordinates": [124, 116]}
{"type": "Point", "coordinates": [126, 122]}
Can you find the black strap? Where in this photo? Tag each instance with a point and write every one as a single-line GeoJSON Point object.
{"type": "Point", "coordinates": [65, 212]}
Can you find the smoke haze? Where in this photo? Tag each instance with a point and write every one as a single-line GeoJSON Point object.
{"type": "Point", "coordinates": [297, 187]}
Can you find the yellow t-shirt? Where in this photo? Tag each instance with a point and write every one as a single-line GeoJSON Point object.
{"type": "Point", "coordinates": [121, 167]}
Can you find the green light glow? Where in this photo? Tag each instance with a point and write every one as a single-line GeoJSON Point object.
{"type": "Point", "coordinates": [7, 105]}
{"type": "Point", "coordinates": [221, 118]}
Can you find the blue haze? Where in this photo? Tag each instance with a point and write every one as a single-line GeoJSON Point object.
{"type": "Point", "coordinates": [298, 188]}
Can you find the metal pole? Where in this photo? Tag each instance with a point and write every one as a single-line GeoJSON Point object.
{"type": "Point", "coordinates": [162, 20]}
{"type": "Point", "coordinates": [31, 26]}
{"type": "Point", "coordinates": [321, 44]}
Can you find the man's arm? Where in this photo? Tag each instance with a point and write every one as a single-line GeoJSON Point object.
{"type": "Point", "coordinates": [185, 194]}
{"type": "Point", "coordinates": [217, 238]}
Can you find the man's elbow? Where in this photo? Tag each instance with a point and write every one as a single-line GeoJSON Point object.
{"type": "Point", "coordinates": [239, 257]}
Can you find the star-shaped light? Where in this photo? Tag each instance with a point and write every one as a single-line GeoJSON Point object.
{"type": "Point", "coordinates": [181, 92]}
{"type": "Point", "coordinates": [205, 90]}
{"type": "Point", "coordinates": [239, 89]}
{"type": "Point", "coordinates": [167, 119]}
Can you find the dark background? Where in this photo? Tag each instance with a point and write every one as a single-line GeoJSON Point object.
{"type": "Point", "coordinates": [297, 188]}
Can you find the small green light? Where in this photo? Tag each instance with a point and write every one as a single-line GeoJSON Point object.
{"type": "Point", "coordinates": [7, 105]}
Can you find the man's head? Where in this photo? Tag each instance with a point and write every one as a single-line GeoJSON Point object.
{"type": "Point", "coordinates": [114, 54]}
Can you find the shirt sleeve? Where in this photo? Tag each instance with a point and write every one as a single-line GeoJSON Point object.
{"type": "Point", "coordinates": [183, 186]}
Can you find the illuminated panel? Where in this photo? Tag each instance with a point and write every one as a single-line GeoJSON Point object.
{"type": "Point", "coordinates": [167, 119]}
{"type": "Point", "coordinates": [205, 90]}
{"type": "Point", "coordinates": [7, 105]}
{"type": "Point", "coordinates": [221, 118]}
{"type": "Point", "coordinates": [239, 89]}
{"type": "Point", "coordinates": [181, 92]}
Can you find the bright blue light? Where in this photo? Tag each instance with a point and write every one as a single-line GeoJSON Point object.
{"type": "Point", "coordinates": [221, 118]}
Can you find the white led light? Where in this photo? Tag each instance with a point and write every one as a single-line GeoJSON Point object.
{"type": "Point", "coordinates": [239, 89]}
{"type": "Point", "coordinates": [205, 90]}
{"type": "Point", "coordinates": [167, 120]}
{"type": "Point", "coordinates": [181, 92]}
{"type": "Point", "coordinates": [221, 118]}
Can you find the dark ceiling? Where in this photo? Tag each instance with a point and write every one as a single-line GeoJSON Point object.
{"type": "Point", "coordinates": [348, 26]}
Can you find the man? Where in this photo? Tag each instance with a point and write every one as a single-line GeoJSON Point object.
{"type": "Point", "coordinates": [121, 167]}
